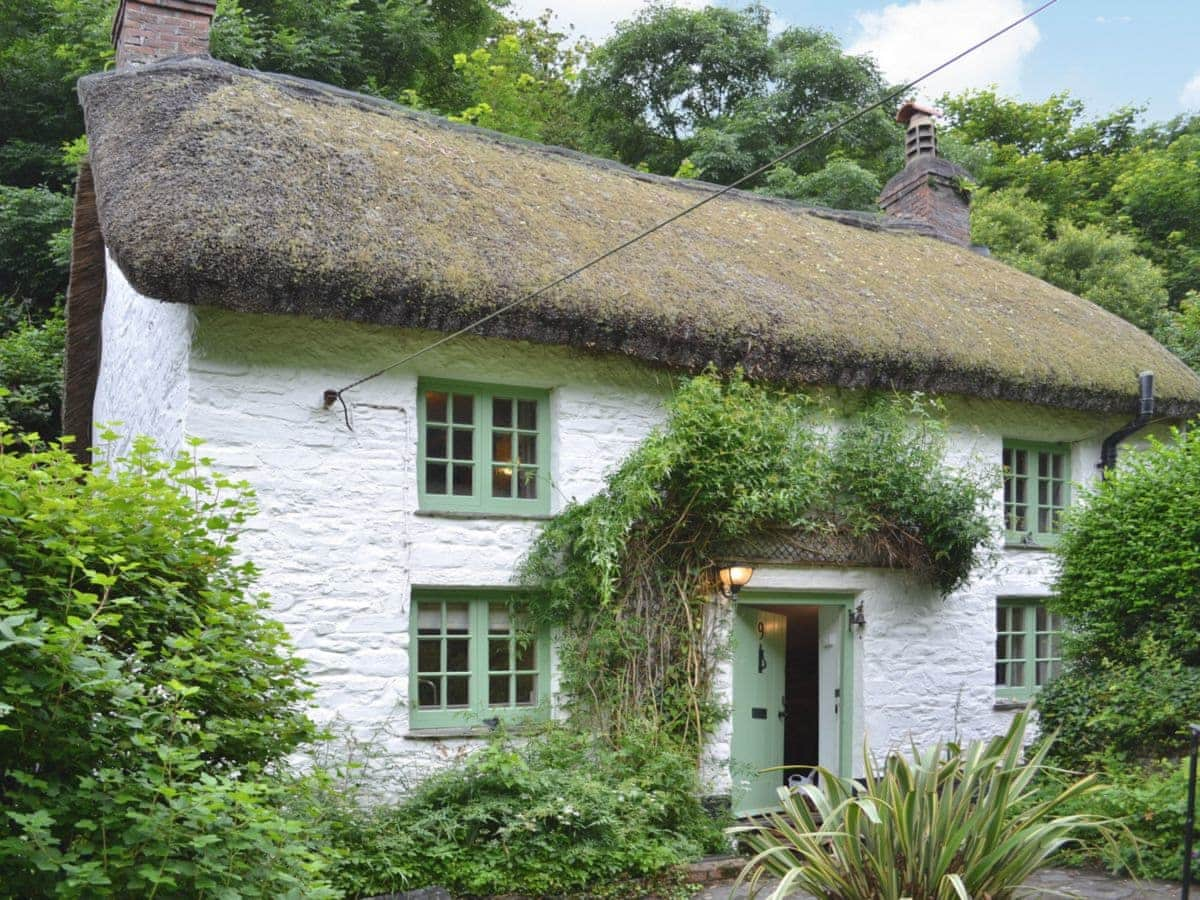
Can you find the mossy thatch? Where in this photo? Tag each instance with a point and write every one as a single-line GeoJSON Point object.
{"type": "Point", "coordinates": [262, 193]}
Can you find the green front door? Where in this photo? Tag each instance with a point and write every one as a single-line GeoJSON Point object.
{"type": "Point", "coordinates": [760, 660]}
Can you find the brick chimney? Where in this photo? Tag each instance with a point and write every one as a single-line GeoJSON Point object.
{"type": "Point", "coordinates": [928, 189]}
{"type": "Point", "coordinates": [146, 30]}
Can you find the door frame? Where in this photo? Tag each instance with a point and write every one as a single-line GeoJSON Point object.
{"type": "Point", "coordinates": [845, 602]}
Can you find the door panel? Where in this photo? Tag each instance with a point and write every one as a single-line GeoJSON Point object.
{"type": "Point", "coordinates": [760, 658]}
{"type": "Point", "coordinates": [831, 626]}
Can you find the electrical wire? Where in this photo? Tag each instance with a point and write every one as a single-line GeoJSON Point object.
{"type": "Point", "coordinates": [332, 395]}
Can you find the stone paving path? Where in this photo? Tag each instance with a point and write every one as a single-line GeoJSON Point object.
{"type": "Point", "coordinates": [1046, 884]}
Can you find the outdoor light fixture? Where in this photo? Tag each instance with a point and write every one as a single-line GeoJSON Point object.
{"type": "Point", "coordinates": [733, 579]}
{"type": "Point", "coordinates": [857, 617]}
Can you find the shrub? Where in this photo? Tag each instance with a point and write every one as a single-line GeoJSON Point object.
{"type": "Point", "coordinates": [144, 694]}
{"type": "Point", "coordinates": [1130, 589]}
{"type": "Point", "coordinates": [1149, 803]}
{"type": "Point", "coordinates": [559, 814]}
{"type": "Point", "coordinates": [950, 821]}
{"type": "Point", "coordinates": [31, 376]}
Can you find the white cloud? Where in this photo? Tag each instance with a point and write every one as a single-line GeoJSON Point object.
{"type": "Point", "coordinates": [592, 19]}
{"type": "Point", "coordinates": [909, 38]}
{"type": "Point", "coordinates": [1189, 97]}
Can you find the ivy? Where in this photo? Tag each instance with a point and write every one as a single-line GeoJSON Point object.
{"type": "Point", "coordinates": [627, 575]}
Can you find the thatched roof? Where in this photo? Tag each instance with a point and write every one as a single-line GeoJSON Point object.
{"type": "Point", "coordinates": [262, 193]}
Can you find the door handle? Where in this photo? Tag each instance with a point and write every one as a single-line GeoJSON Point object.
{"type": "Point", "coordinates": [783, 714]}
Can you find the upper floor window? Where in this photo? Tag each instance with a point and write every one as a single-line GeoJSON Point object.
{"type": "Point", "coordinates": [483, 448]}
{"type": "Point", "coordinates": [1036, 491]}
{"type": "Point", "coordinates": [1028, 647]}
{"type": "Point", "coordinates": [475, 658]}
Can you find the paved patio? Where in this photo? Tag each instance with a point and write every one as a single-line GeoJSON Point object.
{"type": "Point", "coordinates": [1046, 884]}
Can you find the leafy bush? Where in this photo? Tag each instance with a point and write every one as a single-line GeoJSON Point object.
{"type": "Point", "coordinates": [1130, 588]}
{"type": "Point", "coordinates": [948, 822]}
{"type": "Point", "coordinates": [31, 376]}
{"type": "Point", "coordinates": [560, 813]}
{"type": "Point", "coordinates": [144, 695]}
{"type": "Point", "coordinates": [1149, 803]}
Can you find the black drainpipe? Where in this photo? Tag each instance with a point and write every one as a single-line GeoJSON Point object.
{"type": "Point", "coordinates": [1108, 450]}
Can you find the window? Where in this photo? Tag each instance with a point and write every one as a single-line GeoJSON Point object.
{"type": "Point", "coordinates": [1028, 647]}
{"type": "Point", "coordinates": [483, 448]}
{"type": "Point", "coordinates": [1036, 491]}
{"type": "Point", "coordinates": [473, 659]}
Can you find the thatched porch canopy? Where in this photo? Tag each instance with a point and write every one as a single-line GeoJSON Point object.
{"type": "Point", "coordinates": [263, 193]}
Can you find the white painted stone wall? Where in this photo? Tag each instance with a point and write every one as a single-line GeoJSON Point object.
{"type": "Point", "coordinates": [143, 378]}
{"type": "Point", "coordinates": [341, 544]}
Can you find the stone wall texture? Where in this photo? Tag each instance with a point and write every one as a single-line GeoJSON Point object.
{"type": "Point", "coordinates": [341, 542]}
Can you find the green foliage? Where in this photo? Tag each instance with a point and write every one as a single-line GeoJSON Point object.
{"type": "Point", "coordinates": [1180, 331]}
{"type": "Point", "coordinates": [841, 184]}
{"type": "Point", "coordinates": [555, 814]}
{"type": "Point", "coordinates": [945, 822]}
{"type": "Point", "coordinates": [1149, 803]}
{"type": "Point", "coordinates": [521, 83]}
{"type": "Point", "coordinates": [1130, 587]}
{"type": "Point", "coordinates": [1012, 225]}
{"type": "Point", "coordinates": [144, 694]}
{"type": "Point", "coordinates": [31, 376]}
{"type": "Point", "coordinates": [627, 574]}
{"type": "Point", "coordinates": [33, 264]}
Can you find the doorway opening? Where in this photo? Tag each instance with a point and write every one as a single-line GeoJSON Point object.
{"type": "Point", "coordinates": [791, 663]}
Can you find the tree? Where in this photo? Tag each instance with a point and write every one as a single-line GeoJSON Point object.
{"type": "Point", "coordinates": [669, 71]}
{"type": "Point", "coordinates": [842, 184]}
{"type": "Point", "coordinates": [1130, 589]}
{"type": "Point", "coordinates": [144, 693]}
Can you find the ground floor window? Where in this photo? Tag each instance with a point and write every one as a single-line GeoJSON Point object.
{"type": "Point", "coordinates": [1028, 647]}
{"type": "Point", "coordinates": [474, 658]}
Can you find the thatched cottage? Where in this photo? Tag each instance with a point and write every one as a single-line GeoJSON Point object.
{"type": "Point", "coordinates": [246, 241]}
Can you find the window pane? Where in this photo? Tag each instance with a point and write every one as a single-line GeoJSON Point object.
{"type": "Point", "coordinates": [457, 620]}
{"type": "Point", "coordinates": [464, 409]}
{"type": "Point", "coordinates": [527, 654]}
{"type": "Point", "coordinates": [429, 618]}
{"type": "Point", "coordinates": [435, 406]}
{"type": "Point", "coordinates": [502, 412]}
{"type": "Point", "coordinates": [1021, 462]}
{"type": "Point", "coordinates": [498, 690]}
{"type": "Point", "coordinates": [527, 483]}
{"type": "Point", "coordinates": [527, 414]}
{"type": "Point", "coordinates": [435, 478]}
{"type": "Point", "coordinates": [429, 655]}
{"type": "Point", "coordinates": [498, 618]}
{"type": "Point", "coordinates": [1056, 495]}
{"type": "Point", "coordinates": [1043, 465]}
{"type": "Point", "coordinates": [1041, 673]}
{"type": "Point", "coordinates": [435, 442]}
{"type": "Point", "coordinates": [457, 655]}
{"type": "Point", "coordinates": [527, 448]}
{"type": "Point", "coordinates": [1001, 674]}
{"type": "Point", "coordinates": [464, 441]}
{"type": "Point", "coordinates": [498, 654]}
{"type": "Point", "coordinates": [1001, 619]}
{"type": "Point", "coordinates": [429, 692]}
{"type": "Point", "coordinates": [1022, 491]}
{"type": "Point", "coordinates": [1041, 618]}
{"type": "Point", "coordinates": [526, 690]}
{"type": "Point", "coordinates": [1057, 468]}
{"type": "Point", "coordinates": [502, 481]}
{"type": "Point", "coordinates": [463, 480]}
{"type": "Point", "coordinates": [1045, 521]}
{"type": "Point", "coordinates": [1017, 646]}
{"type": "Point", "coordinates": [1016, 616]}
{"type": "Point", "coordinates": [1043, 492]}
{"type": "Point", "coordinates": [1016, 676]}
{"type": "Point", "coordinates": [457, 690]}
{"type": "Point", "coordinates": [1006, 459]}
{"type": "Point", "coordinates": [1043, 646]}
{"type": "Point", "coordinates": [502, 446]}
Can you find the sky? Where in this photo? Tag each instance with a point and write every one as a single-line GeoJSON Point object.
{"type": "Point", "coordinates": [1104, 52]}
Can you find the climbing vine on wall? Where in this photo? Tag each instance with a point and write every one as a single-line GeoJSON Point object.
{"type": "Point", "coordinates": [627, 575]}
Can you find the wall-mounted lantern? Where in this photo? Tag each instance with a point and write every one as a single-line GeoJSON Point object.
{"type": "Point", "coordinates": [857, 617]}
{"type": "Point", "coordinates": [733, 578]}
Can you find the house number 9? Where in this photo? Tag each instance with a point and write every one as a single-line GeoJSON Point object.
{"type": "Point", "coordinates": [762, 656]}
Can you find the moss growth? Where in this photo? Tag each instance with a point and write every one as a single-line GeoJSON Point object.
{"type": "Point", "coordinates": [290, 197]}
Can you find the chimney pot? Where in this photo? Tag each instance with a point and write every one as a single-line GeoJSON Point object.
{"type": "Point", "coordinates": [928, 189]}
{"type": "Point", "coordinates": [146, 30]}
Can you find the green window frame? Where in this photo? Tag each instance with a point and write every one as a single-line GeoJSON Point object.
{"type": "Point", "coordinates": [483, 448]}
{"type": "Point", "coordinates": [473, 658]}
{"type": "Point", "coordinates": [1037, 490]}
{"type": "Point", "coordinates": [1028, 647]}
